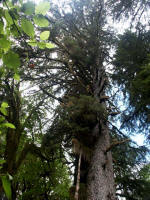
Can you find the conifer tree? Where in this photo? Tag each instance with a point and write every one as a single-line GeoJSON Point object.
{"type": "Point", "coordinates": [75, 73]}
{"type": "Point", "coordinates": [77, 68]}
{"type": "Point", "coordinates": [82, 46]}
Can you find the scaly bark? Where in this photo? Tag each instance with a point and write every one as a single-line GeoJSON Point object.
{"type": "Point", "coordinates": [100, 183]}
{"type": "Point", "coordinates": [100, 177]}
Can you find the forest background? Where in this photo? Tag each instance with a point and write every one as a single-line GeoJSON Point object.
{"type": "Point", "coordinates": [63, 70]}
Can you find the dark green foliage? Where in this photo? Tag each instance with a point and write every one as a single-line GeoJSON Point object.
{"type": "Point", "coordinates": [141, 87]}
{"type": "Point", "coordinates": [132, 52]}
{"type": "Point", "coordinates": [131, 169]}
{"type": "Point", "coordinates": [75, 119]}
{"type": "Point", "coordinates": [131, 64]}
{"type": "Point", "coordinates": [39, 179]}
{"type": "Point", "coordinates": [135, 9]}
{"type": "Point", "coordinates": [83, 110]}
{"type": "Point", "coordinates": [78, 117]}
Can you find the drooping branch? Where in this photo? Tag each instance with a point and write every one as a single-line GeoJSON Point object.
{"type": "Point", "coordinates": [28, 148]}
{"type": "Point", "coordinates": [104, 98]}
{"type": "Point", "coordinates": [114, 113]}
{"type": "Point", "coordinates": [51, 95]}
{"type": "Point", "coordinates": [23, 154]}
{"type": "Point", "coordinates": [116, 143]}
{"type": "Point", "coordinates": [30, 115]}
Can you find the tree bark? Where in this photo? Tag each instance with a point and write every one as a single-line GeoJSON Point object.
{"type": "Point", "coordinates": [100, 184]}
{"type": "Point", "coordinates": [78, 178]}
{"type": "Point", "coordinates": [100, 179]}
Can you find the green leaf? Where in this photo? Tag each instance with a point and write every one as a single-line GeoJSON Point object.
{"type": "Point", "coordinates": [4, 111]}
{"type": "Point", "coordinates": [17, 77]}
{"type": "Point", "coordinates": [41, 45]}
{"type": "Point", "coordinates": [2, 162]}
{"type": "Point", "coordinates": [14, 30]}
{"type": "Point", "coordinates": [50, 45]}
{"type": "Point", "coordinates": [8, 17]}
{"type": "Point", "coordinates": [1, 26]}
{"type": "Point", "coordinates": [5, 44]}
{"type": "Point", "coordinates": [41, 21]}
{"type": "Point", "coordinates": [44, 35]}
{"type": "Point", "coordinates": [2, 119]}
{"type": "Point", "coordinates": [10, 4]}
{"type": "Point", "coordinates": [9, 125]}
{"type": "Point", "coordinates": [42, 8]}
{"type": "Point", "coordinates": [27, 27]}
{"type": "Point", "coordinates": [11, 60]}
{"type": "Point", "coordinates": [4, 105]}
{"type": "Point", "coordinates": [28, 8]}
{"type": "Point", "coordinates": [7, 186]}
{"type": "Point", "coordinates": [32, 43]}
{"type": "Point", "coordinates": [1, 68]}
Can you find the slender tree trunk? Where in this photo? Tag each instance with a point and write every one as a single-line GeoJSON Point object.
{"type": "Point", "coordinates": [76, 196]}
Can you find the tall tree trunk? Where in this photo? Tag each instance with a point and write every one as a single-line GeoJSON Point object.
{"type": "Point", "coordinates": [100, 184]}
{"type": "Point", "coordinates": [100, 180]}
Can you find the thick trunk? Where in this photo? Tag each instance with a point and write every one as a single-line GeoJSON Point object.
{"type": "Point", "coordinates": [100, 180]}
{"type": "Point", "coordinates": [100, 184]}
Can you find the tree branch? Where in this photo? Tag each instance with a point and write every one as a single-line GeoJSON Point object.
{"type": "Point", "coordinates": [116, 143]}
{"type": "Point", "coordinates": [51, 95]}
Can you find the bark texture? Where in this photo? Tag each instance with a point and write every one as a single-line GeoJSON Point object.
{"type": "Point", "coordinates": [100, 177]}
{"type": "Point", "coordinates": [100, 180]}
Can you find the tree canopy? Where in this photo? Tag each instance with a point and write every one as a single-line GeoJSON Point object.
{"type": "Point", "coordinates": [64, 74]}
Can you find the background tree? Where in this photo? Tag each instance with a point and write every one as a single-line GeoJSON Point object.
{"type": "Point", "coordinates": [14, 24]}
{"type": "Point", "coordinates": [131, 64]}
